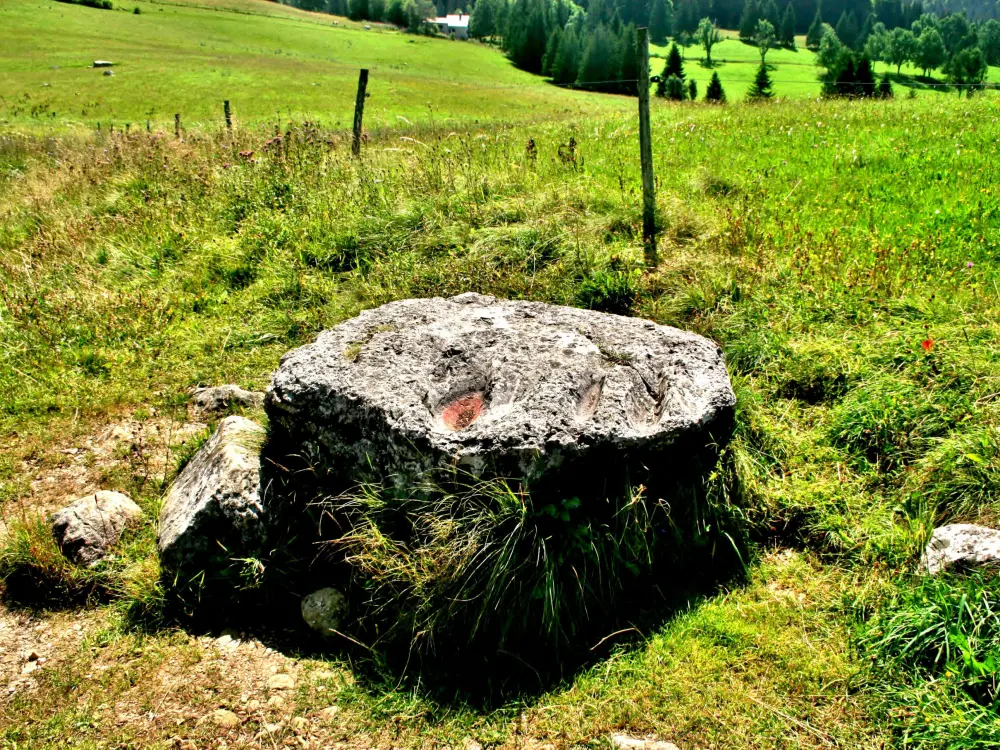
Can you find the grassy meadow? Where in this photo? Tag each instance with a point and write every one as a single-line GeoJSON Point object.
{"type": "Point", "coordinates": [843, 254]}
{"type": "Point", "coordinates": [794, 71]}
{"type": "Point", "coordinates": [273, 63]}
{"type": "Point", "coordinates": [276, 63]}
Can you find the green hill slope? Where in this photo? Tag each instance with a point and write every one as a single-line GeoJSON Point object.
{"type": "Point", "coordinates": [266, 58]}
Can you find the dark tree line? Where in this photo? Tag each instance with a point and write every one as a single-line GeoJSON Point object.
{"type": "Point", "coordinates": [591, 43]}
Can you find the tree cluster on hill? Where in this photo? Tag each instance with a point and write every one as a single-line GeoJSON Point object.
{"type": "Point", "coordinates": [591, 43]}
{"type": "Point", "coordinates": [962, 50]}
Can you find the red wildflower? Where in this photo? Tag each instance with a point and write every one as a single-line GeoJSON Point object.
{"type": "Point", "coordinates": [928, 344]}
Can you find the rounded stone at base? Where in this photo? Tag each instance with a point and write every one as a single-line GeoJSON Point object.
{"type": "Point", "coordinates": [324, 610]}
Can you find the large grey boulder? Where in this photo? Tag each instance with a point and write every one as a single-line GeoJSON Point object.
{"type": "Point", "coordinates": [546, 394]}
{"type": "Point", "coordinates": [219, 397]}
{"type": "Point", "coordinates": [213, 508]}
{"type": "Point", "coordinates": [959, 546]}
{"type": "Point", "coordinates": [87, 529]}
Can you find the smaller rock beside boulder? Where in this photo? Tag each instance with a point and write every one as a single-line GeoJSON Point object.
{"type": "Point", "coordinates": [624, 742]}
{"type": "Point", "coordinates": [324, 610]}
{"type": "Point", "coordinates": [214, 506]}
{"type": "Point", "coordinates": [961, 545]}
{"type": "Point", "coordinates": [88, 529]}
{"type": "Point", "coordinates": [220, 397]}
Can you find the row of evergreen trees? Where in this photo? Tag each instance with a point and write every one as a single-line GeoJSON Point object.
{"type": "Point", "coordinates": [962, 50]}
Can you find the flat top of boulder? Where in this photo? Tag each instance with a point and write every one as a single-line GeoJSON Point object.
{"type": "Point", "coordinates": [472, 372]}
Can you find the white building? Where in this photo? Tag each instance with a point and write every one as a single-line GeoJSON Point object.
{"type": "Point", "coordinates": [452, 24]}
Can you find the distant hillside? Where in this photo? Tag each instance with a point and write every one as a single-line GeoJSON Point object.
{"type": "Point", "coordinates": [270, 60]}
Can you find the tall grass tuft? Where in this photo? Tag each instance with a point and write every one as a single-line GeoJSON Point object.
{"type": "Point", "coordinates": [937, 649]}
{"type": "Point", "coordinates": [458, 561]}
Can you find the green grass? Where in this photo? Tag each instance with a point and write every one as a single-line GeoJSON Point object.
{"type": "Point", "coordinates": [843, 254]}
{"type": "Point", "coordinates": [271, 62]}
{"type": "Point", "coordinates": [795, 72]}
{"type": "Point", "coordinates": [276, 64]}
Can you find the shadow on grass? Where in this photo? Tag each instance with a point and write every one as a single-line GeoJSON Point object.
{"type": "Point", "coordinates": [455, 662]}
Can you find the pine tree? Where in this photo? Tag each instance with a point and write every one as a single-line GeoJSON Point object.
{"type": "Point", "coordinates": [885, 88]}
{"type": "Point", "coordinates": [599, 54]}
{"type": "Point", "coordinates": [815, 33]}
{"type": "Point", "coordinates": [675, 89]}
{"type": "Point", "coordinates": [787, 35]}
{"type": "Point", "coordinates": [864, 78]}
{"type": "Point", "coordinates": [566, 65]}
{"type": "Point", "coordinates": [686, 20]}
{"type": "Point", "coordinates": [847, 29]}
{"type": "Point", "coordinates": [628, 70]}
{"type": "Point", "coordinates": [846, 80]}
{"type": "Point", "coordinates": [551, 51]}
{"type": "Point", "coordinates": [714, 92]}
{"type": "Point", "coordinates": [770, 14]}
{"type": "Point", "coordinates": [760, 89]}
{"type": "Point", "coordinates": [692, 90]}
{"type": "Point", "coordinates": [660, 22]}
{"type": "Point", "coordinates": [674, 65]}
{"type": "Point", "coordinates": [748, 21]}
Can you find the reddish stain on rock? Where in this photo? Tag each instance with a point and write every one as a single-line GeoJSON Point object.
{"type": "Point", "coordinates": [463, 411]}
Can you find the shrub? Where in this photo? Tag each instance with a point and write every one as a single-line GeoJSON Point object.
{"type": "Point", "coordinates": [715, 92]}
{"type": "Point", "coordinates": [960, 479]}
{"type": "Point", "coordinates": [456, 562]}
{"type": "Point", "coordinates": [814, 373]}
{"type": "Point", "coordinates": [760, 89]}
{"type": "Point", "coordinates": [100, 4]}
{"type": "Point", "coordinates": [937, 647]}
{"type": "Point", "coordinates": [609, 291]}
{"type": "Point", "coordinates": [889, 421]}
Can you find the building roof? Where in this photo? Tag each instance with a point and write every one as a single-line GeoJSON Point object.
{"type": "Point", "coordinates": [457, 21]}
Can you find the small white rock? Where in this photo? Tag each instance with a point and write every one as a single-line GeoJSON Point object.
{"type": "Point", "coordinates": [961, 545]}
{"type": "Point", "coordinates": [624, 742]}
{"type": "Point", "coordinates": [280, 682]}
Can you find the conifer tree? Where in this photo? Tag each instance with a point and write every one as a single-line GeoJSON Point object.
{"type": "Point", "coordinates": [885, 88]}
{"type": "Point", "coordinates": [692, 90]}
{"type": "Point", "coordinates": [597, 58]}
{"type": "Point", "coordinates": [675, 89]}
{"type": "Point", "coordinates": [748, 21]}
{"type": "Point", "coordinates": [864, 78]}
{"type": "Point", "coordinates": [846, 80]}
{"type": "Point", "coordinates": [674, 65]}
{"type": "Point", "coordinates": [760, 89]}
{"type": "Point", "coordinates": [787, 35]}
{"type": "Point", "coordinates": [686, 18]}
{"type": "Point", "coordinates": [715, 92]}
{"type": "Point", "coordinates": [564, 68]}
{"type": "Point", "coordinates": [551, 51]}
{"type": "Point", "coordinates": [847, 29]}
{"type": "Point", "coordinates": [815, 34]}
{"type": "Point", "coordinates": [660, 22]}
{"type": "Point", "coordinates": [770, 13]}
{"type": "Point", "coordinates": [628, 55]}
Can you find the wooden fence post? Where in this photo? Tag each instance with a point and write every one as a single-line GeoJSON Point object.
{"type": "Point", "coordinates": [646, 151]}
{"type": "Point", "coordinates": [229, 115]}
{"type": "Point", "coordinates": [177, 125]}
{"type": "Point", "coordinates": [359, 111]}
